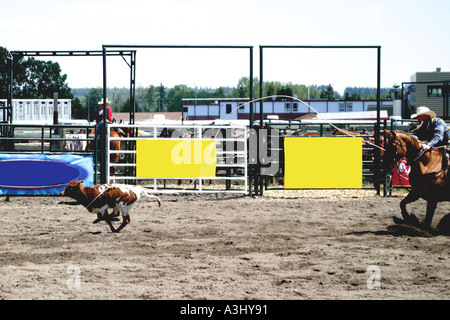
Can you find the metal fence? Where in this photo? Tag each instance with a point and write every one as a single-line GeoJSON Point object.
{"type": "Point", "coordinates": [50, 139]}
{"type": "Point", "coordinates": [237, 148]}
{"type": "Point", "coordinates": [231, 157]}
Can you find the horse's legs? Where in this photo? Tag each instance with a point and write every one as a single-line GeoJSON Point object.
{"type": "Point", "coordinates": [411, 197]}
{"type": "Point", "coordinates": [431, 207]}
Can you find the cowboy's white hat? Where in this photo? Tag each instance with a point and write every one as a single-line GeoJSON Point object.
{"type": "Point", "coordinates": [423, 111]}
{"type": "Point", "coordinates": [107, 101]}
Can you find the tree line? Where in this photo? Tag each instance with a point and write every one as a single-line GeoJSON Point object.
{"type": "Point", "coordinates": [163, 99]}
{"type": "Point", "coordinates": [37, 79]}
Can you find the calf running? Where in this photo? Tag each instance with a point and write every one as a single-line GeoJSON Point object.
{"type": "Point", "coordinates": [99, 198]}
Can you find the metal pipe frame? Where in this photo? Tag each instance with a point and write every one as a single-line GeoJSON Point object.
{"type": "Point", "coordinates": [377, 127]}
{"type": "Point", "coordinates": [66, 53]}
{"type": "Point", "coordinates": [107, 47]}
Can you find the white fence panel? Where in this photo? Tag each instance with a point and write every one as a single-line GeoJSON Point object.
{"type": "Point", "coordinates": [231, 152]}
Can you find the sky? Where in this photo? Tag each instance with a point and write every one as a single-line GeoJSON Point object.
{"type": "Point", "coordinates": [413, 35]}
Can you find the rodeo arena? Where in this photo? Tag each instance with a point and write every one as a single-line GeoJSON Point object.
{"type": "Point", "coordinates": [250, 198]}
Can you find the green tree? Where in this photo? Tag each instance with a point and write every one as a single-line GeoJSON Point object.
{"type": "Point", "coordinates": [175, 97]}
{"type": "Point", "coordinates": [3, 73]}
{"type": "Point", "coordinates": [270, 89]}
{"type": "Point", "coordinates": [354, 96]}
{"type": "Point", "coordinates": [220, 93]}
{"type": "Point", "coordinates": [161, 97]}
{"type": "Point", "coordinates": [151, 98]}
{"type": "Point", "coordinates": [125, 106]}
{"type": "Point", "coordinates": [78, 110]}
{"type": "Point", "coordinates": [242, 89]}
{"type": "Point", "coordinates": [33, 79]}
{"type": "Point", "coordinates": [285, 90]}
{"type": "Point", "coordinates": [328, 93]}
{"type": "Point", "coordinates": [94, 96]}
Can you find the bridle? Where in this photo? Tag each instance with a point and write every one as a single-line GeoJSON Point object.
{"type": "Point", "coordinates": [405, 151]}
{"type": "Point", "coordinates": [398, 156]}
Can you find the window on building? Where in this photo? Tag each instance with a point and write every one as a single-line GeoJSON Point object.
{"type": "Point", "coordinates": [341, 107]}
{"type": "Point", "coordinates": [434, 91]}
{"type": "Point", "coordinates": [349, 106]}
{"type": "Point", "coordinates": [287, 106]}
{"type": "Point", "coordinates": [295, 107]}
{"type": "Point", "coordinates": [229, 107]}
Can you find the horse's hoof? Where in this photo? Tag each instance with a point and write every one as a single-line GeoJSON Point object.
{"type": "Point", "coordinates": [410, 220]}
{"type": "Point", "coordinates": [443, 226]}
{"type": "Point", "coordinates": [398, 220]}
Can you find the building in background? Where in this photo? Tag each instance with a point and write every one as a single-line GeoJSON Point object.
{"type": "Point", "coordinates": [429, 89]}
{"type": "Point", "coordinates": [281, 109]}
{"type": "Point", "coordinates": [37, 109]}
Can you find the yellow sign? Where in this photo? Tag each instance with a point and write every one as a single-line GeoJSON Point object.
{"type": "Point", "coordinates": [323, 163]}
{"type": "Point", "coordinates": [188, 159]}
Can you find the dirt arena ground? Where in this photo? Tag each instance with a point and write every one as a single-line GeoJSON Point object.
{"type": "Point", "coordinates": [286, 245]}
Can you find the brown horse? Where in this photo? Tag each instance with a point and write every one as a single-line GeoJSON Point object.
{"type": "Point", "coordinates": [114, 145]}
{"type": "Point", "coordinates": [427, 178]}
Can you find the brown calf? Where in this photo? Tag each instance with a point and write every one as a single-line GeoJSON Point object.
{"type": "Point", "coordinates": [99, 198]}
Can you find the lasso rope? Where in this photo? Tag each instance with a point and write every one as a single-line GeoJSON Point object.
{"type": "Point", "coordinates": [269, 97]}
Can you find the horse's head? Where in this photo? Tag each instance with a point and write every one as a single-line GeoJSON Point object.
{"type": "Point", "coordinates": [394, 149]}
{"type": "Point", "coordinates": [398, 145]}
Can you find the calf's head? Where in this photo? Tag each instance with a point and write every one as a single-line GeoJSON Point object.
{"type": "Point", "coordinates": [73, 188]}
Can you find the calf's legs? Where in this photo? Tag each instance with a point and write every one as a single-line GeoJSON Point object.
{"type": "Point", "coordinates": [126, 220]}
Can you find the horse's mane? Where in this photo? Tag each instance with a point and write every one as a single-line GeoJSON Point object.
{"type": "Point", "coordinates": [408, 136]}
{"type": "Point", "coordinates": [404, 135]}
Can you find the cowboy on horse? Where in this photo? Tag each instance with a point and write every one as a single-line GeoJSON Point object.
{"type": "Point", "coordinates": [432, 131]}
{"type": "Point", "coordinates": [100, 115]}
{"type": "Point", "coordinates": [115, 144]}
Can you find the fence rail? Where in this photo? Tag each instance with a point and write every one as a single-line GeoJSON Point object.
{"type": "Point", "coordinates": [235, 166]}
{"type": "Point", "coordinates": [231, 157]}
{"type": "Point", "coordinates": [49, 139]}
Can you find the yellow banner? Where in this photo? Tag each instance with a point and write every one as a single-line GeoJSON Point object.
{"type": "Point", "coordinates": [323, 163]}
{"type": "Point", "coordinates": [188, 159]}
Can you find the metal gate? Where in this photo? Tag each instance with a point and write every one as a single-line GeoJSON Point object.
{"type": "Point", "coordinates": [230, 142]}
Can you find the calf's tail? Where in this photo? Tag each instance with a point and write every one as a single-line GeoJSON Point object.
{"type": "Point", "coordinates": [148, 194]}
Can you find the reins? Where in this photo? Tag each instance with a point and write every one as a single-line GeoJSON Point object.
{"type": "Point", "coordinates": [419, 155]}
